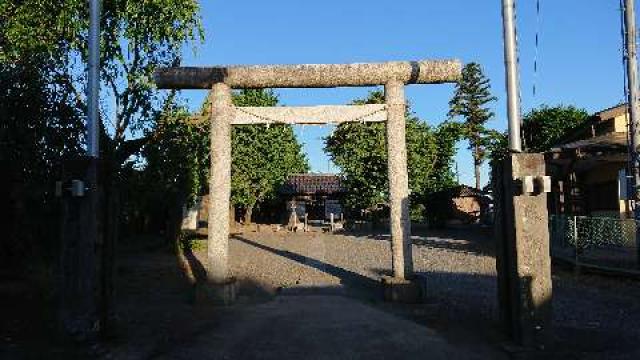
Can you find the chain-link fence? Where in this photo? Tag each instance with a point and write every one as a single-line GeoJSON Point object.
{"type": "Point", "coordinates": [602, 241]}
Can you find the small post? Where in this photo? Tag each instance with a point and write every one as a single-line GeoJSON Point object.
{"type": "Point", "coordinates": [306, 222]}
{"type": "Point", "coordinates": [331, 225]}
{"type": "Point", "coordinates": [576, 252]}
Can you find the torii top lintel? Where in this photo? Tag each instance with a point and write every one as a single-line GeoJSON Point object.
{"type": "Point", "coordinates": [310, 75]}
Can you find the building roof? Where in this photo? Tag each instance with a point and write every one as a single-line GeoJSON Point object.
{"type": "Point", "coordinates": [311, 184]}
{"type": "Point", "coordinates": [612, 112]}
{"type": "Point", "coordinates": [591, 134]}
{"type": "Point", "coordinates": [460, 191]}
{"type": "Point", "coordinates": [606, 141]}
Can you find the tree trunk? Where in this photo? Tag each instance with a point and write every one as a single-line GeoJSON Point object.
{"type": "Point", "coordinates": [248, 213]}
{"type": "Point", "coordinates": [476, 164]}
{"type": "Point", "coordinates": [174, 219]}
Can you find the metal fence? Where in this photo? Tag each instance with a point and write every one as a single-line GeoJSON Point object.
{"type": "Point", "coordinates": [600, 241]}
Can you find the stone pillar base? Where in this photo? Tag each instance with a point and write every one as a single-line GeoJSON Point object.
{"type": "Point", "coordinates": [409, 291]}
{"type": "Point", "coordinates": [217, 293]}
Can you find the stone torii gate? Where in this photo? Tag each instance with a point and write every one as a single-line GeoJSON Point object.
{"type": "Point", "coordinates": [221, 80]}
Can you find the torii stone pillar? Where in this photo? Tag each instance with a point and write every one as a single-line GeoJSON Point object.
{"type": "Point", "coordinates": [398, 180]}
{"type": "Point", "coordinates": [221, 286]}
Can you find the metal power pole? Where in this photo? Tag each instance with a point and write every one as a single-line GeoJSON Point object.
{"type": "Point", "coordinates": [80, 213]}
{"type": "Point", "coordinates": [632, 75]}
{"type": "Point", "coordinates": [511, 66]}
{"type": "Point", "coordinates": [93, 93]}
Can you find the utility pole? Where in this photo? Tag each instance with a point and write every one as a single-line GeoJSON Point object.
{"type": "Point", "coordinates": [523, 259]}
{"type": "Point", "coordinates": [81, 288]}
{"type": "Point", "coordinates": [511, 67]}
{"type": "Point", "coordinates": [93, 93]}
{"type": "Point", "coordinates": [634, 111]}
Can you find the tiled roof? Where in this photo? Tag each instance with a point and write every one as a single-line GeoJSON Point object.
{"type": "Point", "coordinates": [313, 184]}
{"type": "Point", "coordinates": [610, 140]}
{"type": "Point", "coordinates": [460, 191]}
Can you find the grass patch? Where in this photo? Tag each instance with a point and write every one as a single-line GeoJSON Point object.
{"type": "Point", "coordinates": [190, 241]}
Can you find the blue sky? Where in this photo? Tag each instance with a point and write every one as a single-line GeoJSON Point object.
{"type": "Point", "coordinates": [579, 55]}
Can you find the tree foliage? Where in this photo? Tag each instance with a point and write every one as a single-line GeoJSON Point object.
{"type": "Point", "coordinates": [39, 128]}
{"type": "Point", "coordinates": [544, 127]}
{"type": "Point", "coordinates": [177, 156]}
{"type": "Point", "coordinates": [136, 37]}
{"type": "Point", "coordinates": [360, 150]}
{"type": "Point", "coordinates": [43, 56]}
{"type": "Point", "coordinates": [472, 95]}
{"type": "Point", "coordinates": [172, 175]}
{"type": "Point", "coordinates": [262, 157]}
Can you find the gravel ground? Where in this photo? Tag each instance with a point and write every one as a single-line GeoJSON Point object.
{"type": "Point", "coordinates": [594, 317]}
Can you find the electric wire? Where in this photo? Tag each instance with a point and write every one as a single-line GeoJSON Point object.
{"type": "Point", "coordinates": [537, 49]}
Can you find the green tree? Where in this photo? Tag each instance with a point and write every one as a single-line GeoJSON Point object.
{"type": "Point", "coordinates": [44, 43]}
{"type": "Point", "coordinates": [543, 127]}
{"type": "Point", "coordinates": [176, 162]}
{"type": "Point", "coordinates": [262, 156]}
{"type": "Point", "coordinates": [177, 156]}
{"type": "Point", "coordinates": [136, 37]}
{"type": "Point", "coordinates": [39, 128]}
{"type": "Point", "coordinates": [360, 150]}
{"type": "Point", "coordinates": [470, 100]}
{"type": "Point", "coordinates": [498, 147]}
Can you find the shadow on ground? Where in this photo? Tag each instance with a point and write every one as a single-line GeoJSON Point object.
{"type": "Point", "coordinates": [594, 318]}
{"type": "Point", "coordinates": [354, 283]}
{"type": "Point", "coordinates": [472, 239]}
{"type": "Point", "coordinates": [461, 309]}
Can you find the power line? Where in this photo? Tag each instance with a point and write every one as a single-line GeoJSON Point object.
{"type": "Point", "coordinates": [537, 46]}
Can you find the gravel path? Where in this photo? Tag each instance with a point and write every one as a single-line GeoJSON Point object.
{"type": "Point", "coordinates": [594, 317]}
{"type": "Point", "coordinates": [282, 260]}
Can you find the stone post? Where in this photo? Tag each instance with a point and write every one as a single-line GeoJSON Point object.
{"type": "Point", "coordinates": [332, 225]}
{"type": "Point", "coordinates": [80, 289]}
{"type": "Point", "coordinates": [398, 180]}
{"type": "Point", "coordinates": [523, 259]}
{"type": "Point", "coordinates": [222, 112]}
